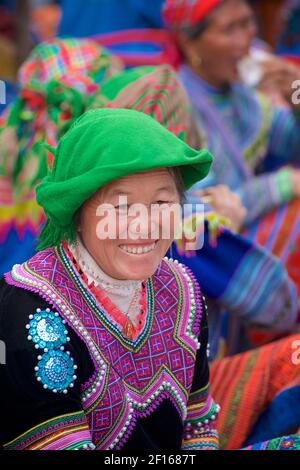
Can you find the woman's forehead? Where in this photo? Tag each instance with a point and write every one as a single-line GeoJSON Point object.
{"type": "Point", "coordinates": [235, 10]}
{"type": "Point", "coordinates": [159, 178]}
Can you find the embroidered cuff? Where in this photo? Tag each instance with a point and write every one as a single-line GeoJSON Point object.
{"type": "Point", "coordinates": [66, 432]}
{"type": "Point", "coordinates": [199, 428]}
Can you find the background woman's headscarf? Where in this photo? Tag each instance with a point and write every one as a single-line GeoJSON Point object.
{"type": "Point", "coordinates": [54, 85]}
{"type": "Point", "coordinates": [185, 14]}
{"type": "Point", "coordinates": [155, 91]}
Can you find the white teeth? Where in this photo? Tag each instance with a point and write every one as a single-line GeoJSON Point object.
{"type": "Point", "coordinates": [138, 250]}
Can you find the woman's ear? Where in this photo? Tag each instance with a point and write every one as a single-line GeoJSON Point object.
{"type": "Point", "coordinates": [189, 50]}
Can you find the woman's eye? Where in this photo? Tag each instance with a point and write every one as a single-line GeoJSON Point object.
{"type": "Point", "coordinates": [162, 202]}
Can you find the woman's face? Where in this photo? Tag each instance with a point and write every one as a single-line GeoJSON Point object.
{"type": "Point", "coordinates": [135, 241]}
{"type": "Point", "coordinates": [216, 52]}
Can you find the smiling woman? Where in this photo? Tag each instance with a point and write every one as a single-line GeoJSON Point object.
{"type": "Point", "coordinates": [136, 253]}
{"type": "Point", "coordinates": [99, 331]}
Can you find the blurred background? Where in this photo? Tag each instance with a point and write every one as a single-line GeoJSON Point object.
{"type": "Point", "coordinates": [25, 23]}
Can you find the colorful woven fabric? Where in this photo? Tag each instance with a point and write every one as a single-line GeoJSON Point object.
{"type": "Point", "coordinates": [183, 14]}
{"type": "Point", "coordinates": [279, 233]}
{"type": "Point", "coordinates": [67, 432]}
{"type": "Point", "coordinates": [81, 63]}
{"type": "Point", "coordinates": [245, 384]}
{"type": "Point", "coordinates": [289, 40]}
{"type": "Point", "coordinates": [155, 91]}
{"type": "Point", "coordinates": [247, 155]}
{"type": "Point", "coordinates": [55, 83]}
{"type": "Point", "coordinates": [281, 443]}
{"type": "Point", "coordinates": [201, 407]}
{"type": "Point", "coordinates": [280, 417]}
{"type": "Point", "coordinates": [246, 289]}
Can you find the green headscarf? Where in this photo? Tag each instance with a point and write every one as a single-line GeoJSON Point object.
{"type": "Point", "coordinates": [104, 145]}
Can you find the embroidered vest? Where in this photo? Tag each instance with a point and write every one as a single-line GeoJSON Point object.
{"type": "Point", "coordinates": [130, 379]}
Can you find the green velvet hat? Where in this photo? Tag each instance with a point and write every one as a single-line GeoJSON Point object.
{"type": "Point", "coordinates": [102, 146]}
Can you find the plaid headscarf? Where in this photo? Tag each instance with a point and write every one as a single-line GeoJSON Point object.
{"type": "Point", "coordinates": [55, 84]}
{"type": "Point", "coordinates": [79, 63]}
{"type": "Point", "coordinates": [184, 14]}
{"type": "Point", "coordinates": [155, 91]}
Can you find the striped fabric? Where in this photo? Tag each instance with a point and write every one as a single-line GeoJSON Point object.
{"type": "Point", "coordinates": [281, 443]}
{"type": "Point", "coordinates": [80, 62]}
{"type": "Point", "coordinates": [250, 288]}
{"type": "Point", "coordinates": [55, 84]}
{"type": "Point", "coordinates": [200, 433]}
{"type": "Point", "coordinates": [66, 432]}
{"type": "Point", "coordinates": [245, 384]}
{"type": "Point", "coordinates": [279, 233]}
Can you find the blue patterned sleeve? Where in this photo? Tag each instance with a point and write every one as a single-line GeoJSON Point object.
{"type": "Point", "coordinates": [284, 139]}
{"type": "Point", "coordinates": [263, 193]}
{"type": "Point", "coordinates": [259, 195]}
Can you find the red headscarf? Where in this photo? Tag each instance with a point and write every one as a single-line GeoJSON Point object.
{"type": "Point", "coordinates": [180, 14]}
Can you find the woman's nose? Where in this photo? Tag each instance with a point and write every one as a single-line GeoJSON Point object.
{"type": "Point", "coordinates": [140, 227]}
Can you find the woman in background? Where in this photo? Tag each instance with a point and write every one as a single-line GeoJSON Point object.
{"type": "Point", "coordinates": [250, 139]}
{"type": "Point", "coordinates": [238, 276]}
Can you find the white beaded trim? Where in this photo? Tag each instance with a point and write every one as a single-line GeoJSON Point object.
{"type": "Point", "coordinates": [166, 386]}
{"type": "Point", "coordinates": [86, 447]}
{"type": "Point", "coordinates": [133, 404]}
{"type": "Point", "coordinates": [189, 331]}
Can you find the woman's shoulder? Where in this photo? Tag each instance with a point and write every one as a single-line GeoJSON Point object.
{"type": "Point", "coordinates": [16, 305]}
{"type": "Point", "coordinates": [175, 278]}
{"type": "Point", "coordinates": [25, 322]}
{"type": "Point", "coordinates": [12, 294]}
{"type": "Point", "coordinates": [173, 268]}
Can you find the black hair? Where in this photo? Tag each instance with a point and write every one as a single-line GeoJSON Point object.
{"type": "Point", "coordinates": [176, 174]}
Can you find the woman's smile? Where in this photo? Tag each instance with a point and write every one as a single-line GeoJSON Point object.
{"type": "Point", "coordinates": [140, 249]}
